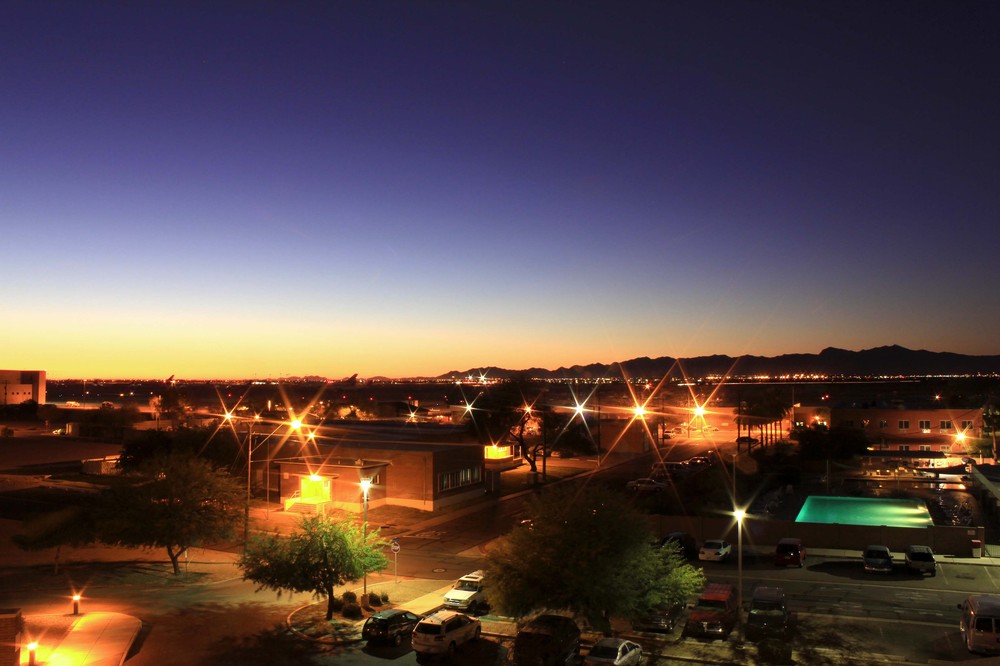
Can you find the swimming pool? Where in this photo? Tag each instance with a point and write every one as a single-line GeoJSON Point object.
{"type": "Point", "coordinates": [865, 511]}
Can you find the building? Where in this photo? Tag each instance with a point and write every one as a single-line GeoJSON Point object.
{"type": "Point", "coordinates": [17, 386]}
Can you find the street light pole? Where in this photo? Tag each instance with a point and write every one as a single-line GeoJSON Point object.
{"type": "Point", "coordinates": [740, 514]}
{"type": "Point", "coordinates": [246, 508]}
{"type": "Point", "coordinates": [365, 485]}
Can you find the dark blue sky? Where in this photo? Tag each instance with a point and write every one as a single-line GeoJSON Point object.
{"type": "Point", "coordinates": [401, 188]}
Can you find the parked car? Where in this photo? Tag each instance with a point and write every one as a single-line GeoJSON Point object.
{"type": "Point", "coordinates": [749, 441]}
{"type": "Point", "coordinates": [547, 640]}
{"type": "Point", "coordinates": [714, 614]}
{"type": "Point", "coordinates": [790, 552]}
{"type": "Point", "coordinates": [682, 540]}
{"type": "Point", "coordinates": [699, 462]}
{"type": "Point", "coordinates": [661, 619]}
{"type": "Point", "coordinates": [715, 550]}
{"type": "Point", "coordinates": [468, 594]}
{"type": "Point", "coordinates": [443, 632]}
{"type": "Point", "coordinates": [768, 616]}
{"type": "Point", "coordinates": [980, 623]}
{"type": "Point", "coordinates": [646, 485]}
{"type": "Point", "coordinates": [920, 559]}
{"type": "Point", "coordinates": [389, 626]}
{"type": "Point", "coordinates": [617, 651]}
{"type": "Point", "coordinates": [877, 559]}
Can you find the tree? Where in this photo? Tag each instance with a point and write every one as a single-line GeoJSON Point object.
{"type": "Point", "coordinates": [318, 558]}
{"type": "Point", "coordinates": [589, 552]}
{"type": "Point", "coordinates": [72, 525]}
{"type": "Point", "coordinates": [180, 502]}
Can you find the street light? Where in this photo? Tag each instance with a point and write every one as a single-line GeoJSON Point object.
{"type": "Point", "coordinates": [366, 484]}
{"type": "Point", "coordinates": [76, 604]}
{"type": "Point", "coordinates": [32, 649]}
{"type": "Point", "coordinates": [740, 515]}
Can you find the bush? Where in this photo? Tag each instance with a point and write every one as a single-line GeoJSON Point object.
{"type": "Point", "coordinates": [374, 599]}
{"type": "Point", "coordinates": [352, 611]}
{"type": "Point", "coordinates": [385, 597]}
{"type": "Point", "coordinates": [338, 604]}
{"type": "Point", "coordinates": [350, 597]}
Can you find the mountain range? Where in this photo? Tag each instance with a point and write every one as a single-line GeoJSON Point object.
{"type": "Point", "coordinates": [889, 361]}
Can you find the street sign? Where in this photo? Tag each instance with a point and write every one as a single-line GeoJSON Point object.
{"type": "Point", "coordinates": [394, 547]}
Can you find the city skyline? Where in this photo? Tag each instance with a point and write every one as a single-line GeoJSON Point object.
{"type": "Point", "coordinates": [402, 189]}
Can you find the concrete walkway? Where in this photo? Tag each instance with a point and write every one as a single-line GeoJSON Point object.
{"type": "Point", "coordinates": [94, 639]}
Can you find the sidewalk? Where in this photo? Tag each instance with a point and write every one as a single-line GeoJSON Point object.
{"type": "Point", "coordinates": [91, 639]}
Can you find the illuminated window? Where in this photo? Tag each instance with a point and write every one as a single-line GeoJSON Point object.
{"type": "Point", "coordinates": [459, 478]}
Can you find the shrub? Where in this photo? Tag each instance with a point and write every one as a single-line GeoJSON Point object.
{"type": "Point", "coordinates": [352, 611]}
{"type": "Point", "coordinates": [374, 599]}
{"type": "Point", "coordinates": [385, 597]}
{"type": "Point", "coordinates": [350, 597]}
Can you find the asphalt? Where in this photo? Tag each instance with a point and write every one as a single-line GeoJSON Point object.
{"type": "Point", "coordinates": [104, 639]}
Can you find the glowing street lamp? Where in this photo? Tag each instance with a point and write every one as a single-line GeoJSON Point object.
{"type": "Point", "coordinates": [740, 514]}
{"type": "Point", "coordinates": [366, 485]}
{"type": "Point", "coordinates": [76, 604]}
{"type": "Point", "coordinates": [32, 649]}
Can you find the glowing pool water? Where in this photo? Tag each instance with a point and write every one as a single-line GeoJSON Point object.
{"type": "Point", "coordinates": [865, 511]}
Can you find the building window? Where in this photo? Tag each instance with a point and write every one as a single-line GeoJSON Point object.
{"type": "Point", "coordinates": [945, 425]}
{"type": "Point", "coordinates": [904, 447]}
{"type": "Point", "coordinates": [966, 426]}
{"type": "Point", "coordinates": [883, 425]}
{"type": "Point", "coordinates": [925, 447]}
{"type": "Point", "coordinates": [459, 478]}
{"type": "Point", "coordinates": [904, 425]}
{"type": "Point", "coordinates": [924, 425]}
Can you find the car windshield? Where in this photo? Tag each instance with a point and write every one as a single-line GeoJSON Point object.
{"type": "Point", "coordinates": [713, 604]}
{"type": "Point", "coordinates": [604, 652]}
{"type": "Point", "coordinates": [787, 548]}
{"type": "Point", "coordinates": [427, 628]}
{"type": "Point", "coordinates": [713, 545]}
{"type": "Point", "coordinates": [875, 554]}
{"type": "Point", "coordinates": [757, 616]}
{"type": "Point", "coordinates": [766, 606]}
{"type": "Point", "coordinates": [921, 555]}
{"type": "Point", "coordinates": [466, 585]}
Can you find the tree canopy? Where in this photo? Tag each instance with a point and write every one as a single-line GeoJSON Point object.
{"type": "Point", "coordinates": [585, 550]}
{"type": "Point", "coordinates": [322, 555]}
{"type": "Point", "coordinates": [181, 501]}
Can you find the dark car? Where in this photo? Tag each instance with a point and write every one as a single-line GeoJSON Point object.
{"type": "Point", "coordinates": [877, 559]}
{"type": "Point", "coordinates": [661, 619]}
{"type": "Point", "coordinates": [547, 640]}
{"type": "Point", "coordinates": [688, 546]}
{"type": "Point", "coordinates": [768, 616]}
{"type": "Point", "coordinates": [789, 552]}
{"type": "Point", "coordinates": [389, 626]}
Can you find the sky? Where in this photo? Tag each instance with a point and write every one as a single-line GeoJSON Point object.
{"type": "Point", "coordinates": [274, 189]}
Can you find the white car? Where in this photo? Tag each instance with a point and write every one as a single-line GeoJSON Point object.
{"type": "Point", "coordinates": [646, 485]}
{"type": "Point", "coordinates": [468, 594]}
{"type": "Point", "coordinates": [715, 550]}
{"type": "Point", "coordinates": [443, 632]}
{"type": "Point", "coordinates": [616, 651]}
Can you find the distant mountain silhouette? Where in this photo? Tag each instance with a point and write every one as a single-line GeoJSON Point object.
{"type": "Point", "coordinates": [890, 361]}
